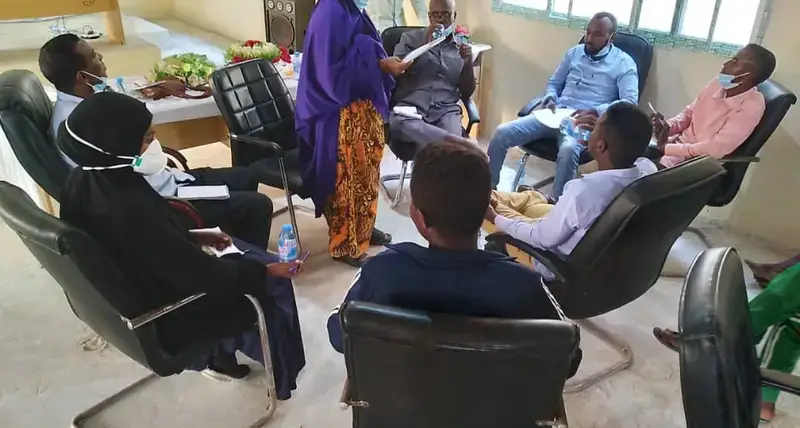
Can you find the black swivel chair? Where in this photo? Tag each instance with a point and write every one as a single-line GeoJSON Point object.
{"type": "Point", "coordinates": [640, 50]}
{"type": "Point", "coordinates": [101, 296]}
{"type": "Point", "coordinates": [25, 112]}
{"type": "Point", "coordinates": [406, 150]}
{"type": "Point", "coordinates": [413, 369]}
{"type": "Point", "coordinates": [259, 112]}
{"type": "Point", "coordinates": [720, 376]}
{"type": "Point", "coordinates": [621, 256]}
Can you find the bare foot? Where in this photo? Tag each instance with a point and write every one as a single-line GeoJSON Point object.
{"type": "Point", "coordinates": [767, 411]}
{"type": "Point", "coordinates": [667, 338]}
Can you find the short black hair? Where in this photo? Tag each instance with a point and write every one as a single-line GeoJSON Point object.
{"type": "Point", "coordinates": [610, 16]}
{"type": "Point", "coordinates": [60, 63]}
{"type": "Point", "coordinates": [765, 61]}
{"type": "Point", "coordinates": [628, 130]}
{"type": "Point", "coordinates": [451, 186]}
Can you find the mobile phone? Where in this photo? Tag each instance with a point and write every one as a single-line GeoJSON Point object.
{"type": "Point", "coordinates": [302, 259]}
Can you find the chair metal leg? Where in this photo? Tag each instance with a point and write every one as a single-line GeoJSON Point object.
{"type": "Point", "coordinates": [619, 345]}
{"type": "Point", "coordinates": [394, 201]}
{"type": "Point", "coordinates": [677, 265]}
{"type": "Point", "coordinates": [541, 183]}
{"type": "Point", "coordinates": [520, 172]}
{"type": "Point", "coordinates": [290, 206]}
{"type": "Point", "coordinates": [272, 400]}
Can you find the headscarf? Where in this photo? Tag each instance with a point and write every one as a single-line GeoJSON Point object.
{"type": "Point", "coordinates": [115, 123]}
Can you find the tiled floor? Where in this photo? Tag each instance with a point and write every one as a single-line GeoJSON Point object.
{"type": "Point", "coordinates": [49, 375]}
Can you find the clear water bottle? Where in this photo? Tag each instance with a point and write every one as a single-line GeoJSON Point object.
{"type": "Point", "coordinates": [568, 129]}
{"type": "Point", "coordinates": [287, 244]}
{"type": "Point", "coordinates": [297, 61]}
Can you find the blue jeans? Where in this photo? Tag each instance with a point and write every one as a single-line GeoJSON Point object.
{"type": "Point", "coordinates": [525, 130]}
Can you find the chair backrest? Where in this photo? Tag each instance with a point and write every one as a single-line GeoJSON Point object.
{"type": "Point", "coordinates": [428, 370]}
{"type": "Point", "coordinates": [391, 37]}
{"type": "Point", "coordinates": [254, 101]}
{"type": "Point", "coordinates": [778, 101]}
{"type": "Point", "coordinates": [25, 112]}
{"type": "Point", "coordinates": [622, 253]}
{"type": "Point", "coordinates": [96, 289]}
{"type": "Point", "coordinates": [720, 377]}
{"type": "Point", "coordinates": [640, 49]}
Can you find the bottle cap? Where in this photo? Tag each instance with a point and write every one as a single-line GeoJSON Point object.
{"type": "Point", "coordinates": [286, 228]}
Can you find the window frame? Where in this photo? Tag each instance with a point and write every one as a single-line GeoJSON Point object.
{"type": "Point", "coordinates": [672, 39]}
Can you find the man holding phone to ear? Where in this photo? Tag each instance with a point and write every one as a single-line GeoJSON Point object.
{"type": "Point", "coordinates": [724, 114]}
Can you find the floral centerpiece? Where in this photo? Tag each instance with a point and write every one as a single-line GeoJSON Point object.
{"type": "Point", "coordinates": [462, 36]}
{"type": "Point", "coordinates": [256, 49]}
{"type": "Point", "coordinates": [191, 69]}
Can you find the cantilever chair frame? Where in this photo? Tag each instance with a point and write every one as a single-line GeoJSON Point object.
{"type": "Point", "coordinates": [141, 320]}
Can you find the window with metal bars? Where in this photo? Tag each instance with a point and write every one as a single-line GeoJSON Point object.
{"type": "Point", "coordinates": [718, 26]}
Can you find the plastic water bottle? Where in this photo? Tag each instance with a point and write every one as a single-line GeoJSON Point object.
{"type": "Point", "coordinates": [287, 244]}
{"type": "Point", "coordinates": [297, 60]}
{"type": "Point", "coordinates": [568, 129]}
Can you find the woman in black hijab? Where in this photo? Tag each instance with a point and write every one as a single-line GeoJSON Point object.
{"type": "Point", "coordinates": [108, 135]}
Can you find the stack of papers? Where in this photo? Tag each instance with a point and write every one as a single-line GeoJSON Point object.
{"type": "Point", "coordinates": [407, 111]}
{"type": "Point", "coordinates": [550, 119]}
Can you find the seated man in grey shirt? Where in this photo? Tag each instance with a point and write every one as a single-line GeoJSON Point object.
{"type": "Point", "coordinates": [435, 83]}
{"type": "Point", "coordinates": [620, 137]}
{"type": "Point", "coordinates": [77, 71]}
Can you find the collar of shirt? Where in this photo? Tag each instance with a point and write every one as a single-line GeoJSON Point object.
{"type": "Point", "coordinates": [633, 172]}
{"type": "Point", "coordinates": [735, 100]}
{"type": "Point", "coordinates": [605, 59]}
{"type": "Point", "coordinates": [67, 98]}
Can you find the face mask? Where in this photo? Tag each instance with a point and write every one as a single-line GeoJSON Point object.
{"type": "Point", "coordinates": [443, 32]}
{"type": "Point", "coordinates": [602, 53]}
{"type": "Point", "coordinates": [361, 4]}
{"type": "Point", "coordinates": [726, 80]}
{"type": "Point", "coordinates": [100, 86]}
{"type": "Point", "coordinates": [151, 162]}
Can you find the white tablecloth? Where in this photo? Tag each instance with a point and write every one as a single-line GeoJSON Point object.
{"type": "Point", "coordinates": [174, 109]}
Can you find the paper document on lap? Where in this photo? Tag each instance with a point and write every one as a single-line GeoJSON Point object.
{"type": "Point", "coordinates": [550, 119]}
{"type": "Point", "coordinates": [230, 249]}
{"type": "Point", "coordinates": [210, 193]}
{"type": "Point", "coordinates": [407, 111]}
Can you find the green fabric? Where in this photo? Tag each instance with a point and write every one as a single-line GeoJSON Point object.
{"type": "Point", "coordinates": [775, 315]}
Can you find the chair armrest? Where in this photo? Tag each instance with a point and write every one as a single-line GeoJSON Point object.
{"type": "Point", "coordinates": [473, 115]}
{"type": "Point", "coordinates": [259, 142]}
{"type": "Point", "coordinates": [177, 157]}
{"type": "Point", "coordinates": [528, 108]}
{"type": "Point", "coordinates": [740, 159]}
{"type": "Point", "coordinates": [157, 313]}
{"type": "Point", "coordinates": [551, 261]}
{"type": "Point", "coordinates": [783, 381]}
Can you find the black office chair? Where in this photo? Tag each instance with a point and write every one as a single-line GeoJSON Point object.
{"type": "Point", "coordinates": [720, 376]}
{"type": "Point", "coordinates": [101, 295]}
{"type": "Point", "coordinates": [25, 112]}
{"type": "Point", "coordinates": [412, 369]}
{"type": "Point", "coordinates": [259, 112]}
{"type": "Point", "coordinates": [406, 150]}
{"type": "Point", "coordinates": [620, 257]}
{"type": "Point", "coordinates": [640, 49]}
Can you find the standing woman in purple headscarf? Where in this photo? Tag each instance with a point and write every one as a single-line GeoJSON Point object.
{"type": "Point", "coordinates": [343, 101]}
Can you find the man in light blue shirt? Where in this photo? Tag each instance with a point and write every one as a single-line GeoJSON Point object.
{"type": "Point", "coordinates": [619, 138]}
{"type": "Point", "coordinates": [591, 77]}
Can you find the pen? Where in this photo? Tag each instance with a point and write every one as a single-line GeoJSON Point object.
{"type": "Point", "coordinates": [302, 259]}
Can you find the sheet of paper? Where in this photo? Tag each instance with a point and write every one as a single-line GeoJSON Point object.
{"type": "Point", "coordinates": [137, 86]}
{"type": "Point", "coordinates": [407, 111]}
{"type": "Point", "coordinates": [214, 193]}
{"type": "Point", "coordinates": [416, 53]}
{"type": "Point", "coordinates": [550, 119]}
{"type": "Point", "coordinates": [231, 249]}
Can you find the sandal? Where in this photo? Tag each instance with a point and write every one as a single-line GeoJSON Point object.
{"type": "Point", "coordinates": [356, 262]}
{"type": "Point", "coordinates": [379, 239]}
{"type": "Point", "coordinates": [667, 338]}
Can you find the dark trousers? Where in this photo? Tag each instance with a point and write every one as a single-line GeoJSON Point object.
{"type": "Point", "coordinates": [246, 215]}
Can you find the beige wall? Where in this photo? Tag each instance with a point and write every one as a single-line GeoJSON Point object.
{"type": "Point", "coordinates": [234, 19]}
{"type": "Point", "coordinates": [147, 8]}
{"type": "Point", "coordinates": [527, 51]}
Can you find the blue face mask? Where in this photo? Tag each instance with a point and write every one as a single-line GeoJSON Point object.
{"type": "Point", "coordinates": [443, 32]}
{"type": "Point", "coordinates": [101, 85]}
{"type": "Point", "coordinates": [726, 80]}
{"type": "Point", "coordinates": [361, 4]}
{"type": "Point", "coordinates": [602, 53]}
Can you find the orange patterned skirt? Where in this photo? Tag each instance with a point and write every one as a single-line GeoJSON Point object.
{"type": "Point", "coordinates": [352, 208]}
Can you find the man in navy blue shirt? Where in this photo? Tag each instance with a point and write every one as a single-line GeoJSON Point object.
{"type": "Point", "coordinates": [450, 190]}
{"type": "Point", "coordinates": [591, 77]}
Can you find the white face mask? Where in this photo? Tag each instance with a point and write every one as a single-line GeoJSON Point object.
{"type": "Point", "coordinates": [151, 162]}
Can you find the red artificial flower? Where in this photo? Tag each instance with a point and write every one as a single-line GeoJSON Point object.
{"type": "Point", "coordinates": [251, 43]}
{"type": "Point", "coordinates": [284, 56]}
{"type": "Point", "coordinates": [460, 29]}
{"type": "Point", "coordinates": [236, 59]}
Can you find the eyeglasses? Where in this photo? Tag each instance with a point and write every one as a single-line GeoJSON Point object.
{"type": "Point", "coordinates": [440, 14]}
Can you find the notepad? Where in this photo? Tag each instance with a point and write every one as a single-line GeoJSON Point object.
{"type": "Point", "coordinates": [214, 193]}
{"type": "Point", "coordinates": [407, 111]}
{"type": "Point", "coordinates": [230, 249]}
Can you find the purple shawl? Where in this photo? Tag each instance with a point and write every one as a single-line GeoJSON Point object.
{"type": "Point", "coordinates": [340, 66]}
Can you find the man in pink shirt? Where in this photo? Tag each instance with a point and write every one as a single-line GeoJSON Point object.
{"type": "Point", "coordinates": [723, 115]}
